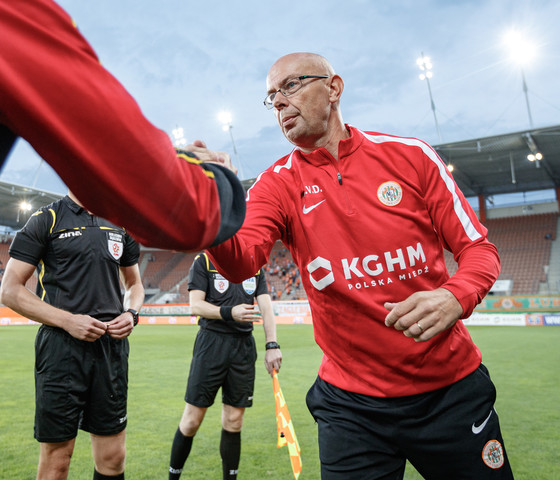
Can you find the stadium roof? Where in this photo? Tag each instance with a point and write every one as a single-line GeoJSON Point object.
{"type": "Point", "coordinates": [11, 197]}
{"type": "Point", "coordinates": [499, 164]}
{"type": "Point", "coordinates": [482, 166]}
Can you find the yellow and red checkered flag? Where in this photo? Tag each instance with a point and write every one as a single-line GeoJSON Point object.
{"type": "Point", "coordinates": [286, 432]}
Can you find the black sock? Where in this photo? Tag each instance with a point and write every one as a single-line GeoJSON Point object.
{"type": "Point", "coordinates": [180, 450]}
{"type": "Point", "coordinates": [230, 451]}
{"type": "Point", "coordinates": [100, 476]}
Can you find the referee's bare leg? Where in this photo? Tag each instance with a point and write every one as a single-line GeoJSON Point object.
{"type": "Point", "coordinates": [54, 460]}
{"type": "Point", "coordinates": [109, 454]}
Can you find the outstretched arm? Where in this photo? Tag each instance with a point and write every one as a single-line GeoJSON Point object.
{"type": "Point", "coordinates": [81, 120]}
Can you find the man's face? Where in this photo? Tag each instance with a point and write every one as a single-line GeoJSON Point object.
{"type": "Point", "coordinates": [302, 116]}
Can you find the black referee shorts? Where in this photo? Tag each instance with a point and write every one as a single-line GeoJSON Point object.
{"type": "Point", "coordinates": [222, 360]}
{"type": "Point", "coordinates": [449, 434]}
{"type": "Point", "coordinates": [79, 385]}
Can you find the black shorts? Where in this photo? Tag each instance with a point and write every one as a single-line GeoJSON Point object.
{"type": "Point", "coordinates": [79, 385]}
{"type": "Point", "coordinates": [222, 360]}
{"type": "Point", "coordinates": [450, 433]}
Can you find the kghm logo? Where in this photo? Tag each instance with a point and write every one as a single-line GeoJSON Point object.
{"type": "Point", "coordinates": [371, 270]}
{"type": "Point", "coordinates": [390, 193]}
{"type": "Point", "coordinates": [327, 279]}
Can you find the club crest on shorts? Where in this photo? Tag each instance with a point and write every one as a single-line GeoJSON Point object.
{"type": "Point", "coordinates": [115, 244]}
{"type": "Point", "coordinates": [390, 193]}
{"type": "Point", "coordinates": [493, 454]}
{"type": "Point", "coordinates": [220, 283]}
{"type": "Point", "coordinates": [250, 285]}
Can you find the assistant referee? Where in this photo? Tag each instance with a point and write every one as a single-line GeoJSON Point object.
{"type": "Point", "coordinates": [224, 356]}
{"type": "Point", "coordinates": [81, 348]}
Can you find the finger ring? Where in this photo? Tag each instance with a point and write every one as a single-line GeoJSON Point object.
{"type": "Point", "coordinates": [420, 327]}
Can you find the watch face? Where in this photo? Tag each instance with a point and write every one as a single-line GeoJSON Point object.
{"type": "Point", "coordinates": [134, 315]}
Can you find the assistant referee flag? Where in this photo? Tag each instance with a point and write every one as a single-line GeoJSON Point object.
{"type": "Point", "coordinates": [286, 432]}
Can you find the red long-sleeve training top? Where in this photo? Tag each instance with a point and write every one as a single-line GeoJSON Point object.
{"type": "Point", "coordinates": [369, 229]}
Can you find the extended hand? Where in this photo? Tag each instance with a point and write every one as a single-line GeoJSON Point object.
{"type": "Point", "coordinates": [424, 314]}
{"type": "Point", "coordinates": [198, 147]}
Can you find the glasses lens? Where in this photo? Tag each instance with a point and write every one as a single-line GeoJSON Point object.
{"type": "Point", "coordinates": [291, 86]}
{"type": "Point", "coordinates": [268, 101]}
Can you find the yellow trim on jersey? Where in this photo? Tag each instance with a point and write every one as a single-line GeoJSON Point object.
{"type": "Point", "coordinates": [53, 219]}
{"type": "Point", "coordinates": [40, 277]}
{"type": "Point", "coordinates": [195, 161]}
{"type": "Point", "coordinates": [208, 263]}
{"type": "Point", "coordinates": [188, 158]}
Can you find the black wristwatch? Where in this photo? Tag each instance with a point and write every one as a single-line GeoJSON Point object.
{"type": "Point", "coordinates": [134, 315]}
{"type": "Point", "coordinates": [271, 345]}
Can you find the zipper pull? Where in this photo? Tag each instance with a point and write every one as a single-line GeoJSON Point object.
{"type": "Point", "coordinates": [339, 178]}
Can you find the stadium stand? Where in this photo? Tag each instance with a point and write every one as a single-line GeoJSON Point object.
{"type": "Point", "coordinates": [164, 271]}
{"type": "Point", "coordinates": [524, 244]}
{"type": "Point", "coordinates": [177, 275]}
{"type": "Point", "coordinates": [284, 280]}
{"type": "Point", "coordinates": [155, 265]}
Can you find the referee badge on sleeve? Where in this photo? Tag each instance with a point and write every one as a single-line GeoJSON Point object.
{"type": "Point", "coordinates": [115, 244]}
{"type": "Point", "coordinates": [220, 283]}
{"type": "Point", "coordinates": [250, 285]}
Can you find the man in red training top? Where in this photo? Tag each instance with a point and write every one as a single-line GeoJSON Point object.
{"type": "Point", "coordinates": [366, 217]}
{"type": "Point", "coordinates": [55, 94]}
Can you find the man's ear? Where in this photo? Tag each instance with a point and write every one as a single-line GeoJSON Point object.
{"type": "Point", "coordinates": [336, 88]}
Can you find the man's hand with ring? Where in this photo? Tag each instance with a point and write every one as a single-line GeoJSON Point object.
{"type": "Point", "coordinates": [424, 314]}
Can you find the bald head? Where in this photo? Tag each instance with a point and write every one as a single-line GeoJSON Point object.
{"type": "Point", "coordinates": [303, 62]}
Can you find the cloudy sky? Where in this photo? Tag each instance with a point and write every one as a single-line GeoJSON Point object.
{"type": "Point", "coordinates": [186, 61]}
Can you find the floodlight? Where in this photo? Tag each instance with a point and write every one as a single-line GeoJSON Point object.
{"type": "Point", "coordinates": [179, 136]}
{"type": "Point", "coordinates": [425, 64]}
{"type": "Point", "coordinates": [25, 206]}
{"type": "Point", "coordinates": [225, 118]}
{"type": "Point", "coordinates": [522, 50]}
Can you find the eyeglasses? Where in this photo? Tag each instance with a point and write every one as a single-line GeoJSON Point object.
{"type": "Point", "coordinates": [289, 88]}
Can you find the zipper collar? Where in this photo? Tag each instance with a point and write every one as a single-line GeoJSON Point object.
{"type": "Point", "coordinates": [346, 147]}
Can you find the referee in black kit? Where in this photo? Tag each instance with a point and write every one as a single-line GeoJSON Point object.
{"type": "Point", "coordinates": [224, 356]}
{"type": "Point", "coordinates": [81, 350]}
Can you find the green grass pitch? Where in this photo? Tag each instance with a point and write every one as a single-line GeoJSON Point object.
{"type": "Point", "coordinates": [524, 364]}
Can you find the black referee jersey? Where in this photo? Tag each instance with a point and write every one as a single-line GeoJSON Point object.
{"type": "Point", "coordinates": [219, 291]}
{"type": "Point", "coordinates": [77, 256]}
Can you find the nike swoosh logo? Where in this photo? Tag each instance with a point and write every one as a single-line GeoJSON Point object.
{"type": "Point", "coordinates": [476, 430]}
{"type": "Point", "coordinates": [306, 210]}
